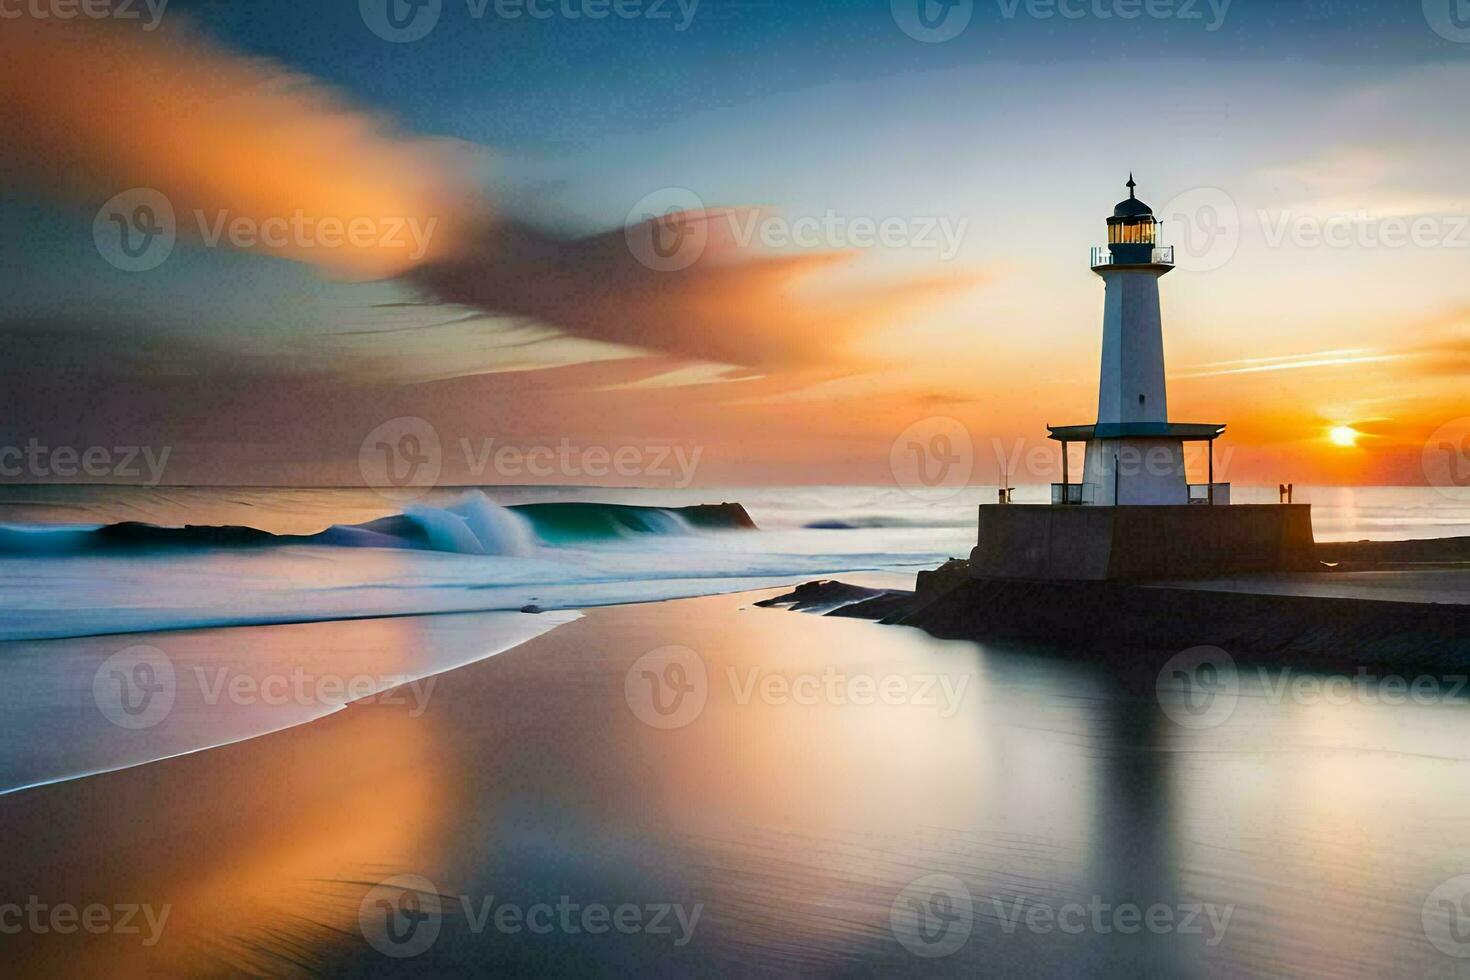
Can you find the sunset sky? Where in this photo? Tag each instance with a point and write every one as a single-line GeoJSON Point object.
{"type": "Point", "coordinates": [530, 316]}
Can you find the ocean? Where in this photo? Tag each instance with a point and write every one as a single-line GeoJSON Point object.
{"type": "Point", "coordinates": [65, 573]}
{"type": "Point", "coordinates": [82, 588]}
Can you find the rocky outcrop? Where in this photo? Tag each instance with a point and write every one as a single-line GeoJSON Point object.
{"type": "Point", "coordinates": [722, 515]}
{"type": "Point", "coordinates": [829, 598]}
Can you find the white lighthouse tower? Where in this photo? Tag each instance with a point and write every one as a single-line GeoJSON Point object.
{"type": "Point", "coordinates": [1135, 455]}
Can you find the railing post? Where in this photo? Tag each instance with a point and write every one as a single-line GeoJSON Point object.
{"type": "Point", "coordinates": [1211, 491]}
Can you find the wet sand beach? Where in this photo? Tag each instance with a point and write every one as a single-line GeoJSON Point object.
{"type": "Point", "coordinates": [700, 787]}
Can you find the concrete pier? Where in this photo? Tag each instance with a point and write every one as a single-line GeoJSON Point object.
{"type": "Point", "coordinates": [1091, 544]}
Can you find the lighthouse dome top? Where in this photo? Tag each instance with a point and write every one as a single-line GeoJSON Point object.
{"type": "Point", "coordinates": [1133, 237]}
{"type": "Point", "coordinates": [1132, 207]}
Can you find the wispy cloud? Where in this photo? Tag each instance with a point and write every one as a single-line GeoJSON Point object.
{"type": "Point", "coordinates": [732, 304]}
{"type": "Point", "coordinates": [1288, 362]}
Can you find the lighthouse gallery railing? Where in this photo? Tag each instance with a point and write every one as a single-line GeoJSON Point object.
{"type": "Point", "coordinates": [1102, 255]}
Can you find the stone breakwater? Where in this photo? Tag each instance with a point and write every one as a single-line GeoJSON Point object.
{"type": "Point", "coordinates": [1120, 619]}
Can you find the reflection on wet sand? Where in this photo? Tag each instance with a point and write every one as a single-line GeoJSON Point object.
{"type": "Point", "coordinates": [810, 832]}
{"type": "Point", "coordinates": [255, 849]}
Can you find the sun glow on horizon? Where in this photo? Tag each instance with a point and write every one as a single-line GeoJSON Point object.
{"type": "Point", "coordinates": [1344, 435]}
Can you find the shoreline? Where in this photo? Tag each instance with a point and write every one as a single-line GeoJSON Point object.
{"type": "Point", "coordinates": [796, 825]}
{"type": "Point", "coordinates": [361, 791]}
{"type": "Point", "coordinates": [253, 631]}
{"type": "Point", "coordinates": [238, 692]}
{"type": "Point", "coordinates": [1342, 632]}
{"type": "Point", "coordinates": [1321, 631]}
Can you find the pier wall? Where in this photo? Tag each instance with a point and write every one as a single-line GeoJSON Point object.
{"type": "Point", "coordinates": [1059, 543]}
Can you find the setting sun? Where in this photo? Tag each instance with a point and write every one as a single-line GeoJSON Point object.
{"type": "Point", "coordinates": [1344, 435]}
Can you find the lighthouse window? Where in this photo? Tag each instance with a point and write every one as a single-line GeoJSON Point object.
{"type": "Point", "coordinates": [1132, 233]}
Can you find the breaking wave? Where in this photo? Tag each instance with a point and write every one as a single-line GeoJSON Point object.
{"type": "Point", "coordinates": [472, 525]}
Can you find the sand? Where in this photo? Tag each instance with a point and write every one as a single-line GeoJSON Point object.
{"type": "Point", "coordinates": [834, 796]}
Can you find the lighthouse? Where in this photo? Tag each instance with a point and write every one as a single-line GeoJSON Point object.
{"type": "Point", "coordinates": [1132, 513]}
{"type": "Point", "coordinates": [1134, 454]}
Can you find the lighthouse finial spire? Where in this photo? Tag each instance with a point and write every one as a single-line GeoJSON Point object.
{"type": "Point", "coordinates": [1131, 185]}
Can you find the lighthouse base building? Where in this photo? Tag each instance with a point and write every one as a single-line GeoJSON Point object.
{"type": "Point", "coordinates": [1133, 512]}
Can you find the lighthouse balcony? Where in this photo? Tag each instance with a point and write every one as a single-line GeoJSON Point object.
{"type": "Point", "coordinates": [1157, 255]}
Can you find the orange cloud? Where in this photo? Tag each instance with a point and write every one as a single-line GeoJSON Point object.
{"type": "Point", "coordinates": [239, 143]}
{"type": "Point", "coordinates": [91, 110]}
{"type": "Point", "coordinates": [721, 302]}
